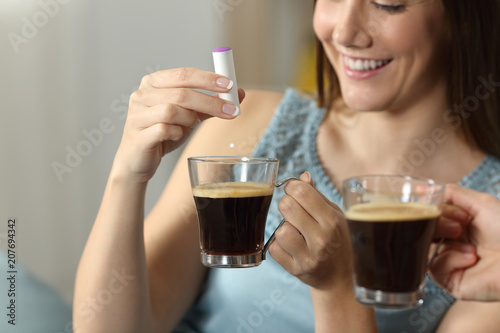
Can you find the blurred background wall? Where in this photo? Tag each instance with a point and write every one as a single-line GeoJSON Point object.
{"type": "Point", "coordinates": [67, 68]}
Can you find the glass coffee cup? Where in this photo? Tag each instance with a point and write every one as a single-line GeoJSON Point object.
{"type": "Point", "coordinates": [391, 221]}
{"type": "Point", "coordinates": [232, 197]}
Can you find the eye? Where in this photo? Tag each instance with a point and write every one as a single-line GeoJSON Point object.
{"type": "Point", "coordinates": [390, 8]}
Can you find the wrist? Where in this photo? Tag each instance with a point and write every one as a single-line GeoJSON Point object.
{"type": "Point", "coordinates": [336, 307]}
{"type": "Point", "coordinates": [121, 175]}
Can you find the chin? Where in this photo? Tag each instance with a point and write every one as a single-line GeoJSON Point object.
{"type": "Point", "coordinates": [363, 102]}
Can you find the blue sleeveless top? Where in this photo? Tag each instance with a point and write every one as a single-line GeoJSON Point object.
{"type": "Point", "coordinates": [267, 299]}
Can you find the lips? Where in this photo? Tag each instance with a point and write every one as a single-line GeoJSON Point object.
{"type": "Point", "coordinates": [364, 65]}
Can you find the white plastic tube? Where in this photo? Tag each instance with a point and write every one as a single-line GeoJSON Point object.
{"type": "Point", "coordinates": [224, 65]}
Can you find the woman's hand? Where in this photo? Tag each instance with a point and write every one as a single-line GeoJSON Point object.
{"type": "Point", "coordinates": [314, 243]}
{"type": "Point", "coordinates": [162, 114]}
{"type": "Point", "coordinates": [468, 266]}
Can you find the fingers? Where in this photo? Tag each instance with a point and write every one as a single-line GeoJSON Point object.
{"type": "Point", "coordinates": [464, 198]}
{"type": "Point", "coordinates": [301, 195]}
{"type": "Point", "coordinates": [448, 267]}
{"type": "Point", "coordinates": [288, 247]}
{"type": "Point", "coordinates": [305, 244]}
{"type": "Point", "coordinates": [185, 98]}
{"type": "Point", "coordinates": [452, 222]}
{"type": "Point", "coordinates": [164, 113]}
{"type": "Point", "coordinates": [455, 213]}
{"type": "Point", "coordinates": [176, 87]}
{"type": "Point", "coordinates": [186, 77]}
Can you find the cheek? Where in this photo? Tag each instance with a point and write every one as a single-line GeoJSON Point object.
{"type": "Point", "coordinates": [322, 23]}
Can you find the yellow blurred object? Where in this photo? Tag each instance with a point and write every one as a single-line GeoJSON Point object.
{"type": "Point", "coordinates": [305, 74]}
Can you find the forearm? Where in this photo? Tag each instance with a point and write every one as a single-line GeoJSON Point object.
{"type": "Point", "coordinates": [338, 311]}
{"type": "Point", "coordinates": [111, 291]}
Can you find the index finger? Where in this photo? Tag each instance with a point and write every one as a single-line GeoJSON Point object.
{"type": "Point", "coordinates": [310, 199]}
{"type": "Point", "coordinates": [463, 198]}
{"type": "Point", "coordinates": [187, 77]}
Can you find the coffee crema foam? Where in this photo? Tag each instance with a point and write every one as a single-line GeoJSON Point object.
{"type": "Point", "coordinates": [387, 212]}
{"type": "Point", "coordinates": [232, 190]}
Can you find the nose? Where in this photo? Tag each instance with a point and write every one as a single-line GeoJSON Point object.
{"type": "Point", "coordinates": [351, 27]}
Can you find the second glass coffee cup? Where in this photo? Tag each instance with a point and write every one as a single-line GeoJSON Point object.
{"type": "Point", "coordinates": [232, 197]}
{"type": "Point", "coordinates": [391, 220]}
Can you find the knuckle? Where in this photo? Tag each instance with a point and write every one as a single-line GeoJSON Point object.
{"type": "Point", "coordinates": [136, 96]}
{"type": "Point", "coordinates": [166, 132]}
{"type": "Point", "coordinates": [153, 80]}
{"type": "Point", "coordinates": [144, 80]}
{"type": "Point", "coordinates": [284, 232]}
{"type": "Point", "coordinates": [162, 131]}
{"type": "Point", "coordinates": [297, 189]}
{"type": "Point", "coordinates": [168, 113]}
{"type": "Point", "coordinates": [181, 74]}
{"type": "Point", "coordinates": [487, 200]}
{"type": "Point", "coordinates": [180, 95]}
{"type": "Point", "coordinates": [174, 133]}
{"type": "Point", "coordinates": [321, 243]}
{"type": "Point", "coordinates": [309, 264]}
{"type": "Point", "coordinates": [286, 204]}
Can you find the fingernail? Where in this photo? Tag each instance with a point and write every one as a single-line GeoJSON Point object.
{"type": "Point", "coordinates": [469, 256]}
{"type": "Point", "coordinates": [229, 109]}
{"type": "Point", "coordinates": [306, 176]}
{"type": "Point", "coordinates": [224, 83]}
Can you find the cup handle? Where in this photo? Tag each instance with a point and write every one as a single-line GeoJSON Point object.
{"type": "Point", "coordinates": [438, 246]}
{"type": "Point", "coordinates": [271, 239]}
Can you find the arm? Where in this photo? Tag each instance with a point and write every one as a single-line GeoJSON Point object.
{"type": "Point", "coordinates": [468, 316]}
{"type": "Point", "coordinates": [314, 245]}
{"type": "Point", "coordinates": [158, 260]}
{"type": "Point", "coordinates": [112, 287]}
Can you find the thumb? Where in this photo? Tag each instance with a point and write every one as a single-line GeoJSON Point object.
{"type": "Point", "coordinates": [306, 177]}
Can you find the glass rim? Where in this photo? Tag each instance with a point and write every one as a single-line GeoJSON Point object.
{"type": "Point", "coordinates": [232, 159]}
{"type": "Point", "coordinates": [428, 181]}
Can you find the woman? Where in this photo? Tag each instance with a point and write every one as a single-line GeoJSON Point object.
{"type": "Point", "coordinates": [403, 77]}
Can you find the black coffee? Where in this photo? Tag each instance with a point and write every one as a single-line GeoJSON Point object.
{"type": "Point", "coordinates": [390, 244]}
{"type": "Point", "coordinates": [232, 216]}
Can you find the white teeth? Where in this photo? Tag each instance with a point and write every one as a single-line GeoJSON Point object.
{"type": "Point", "coordinates": [364, 65]}
{"type": "Point", "coordinates": [359, 65]}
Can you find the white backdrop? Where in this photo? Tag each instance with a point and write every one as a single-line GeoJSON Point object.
{"type": "Point", "coordinates": [67, 68]}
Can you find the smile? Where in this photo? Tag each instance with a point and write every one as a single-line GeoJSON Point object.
{"type": "Point", "coordinates": [363, 65]}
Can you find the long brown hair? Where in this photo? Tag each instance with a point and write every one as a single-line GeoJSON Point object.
{"type": "Point", "coordinates": [473, 72]}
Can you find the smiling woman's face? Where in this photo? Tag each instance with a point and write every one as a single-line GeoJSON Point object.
{"type": "Point", "coordinates": [387, 54]}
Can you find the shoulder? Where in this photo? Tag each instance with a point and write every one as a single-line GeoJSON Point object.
{"type": "Point", "coordinates": [264, 113]}
{"type": "Point", "coordinates": [486, 177]}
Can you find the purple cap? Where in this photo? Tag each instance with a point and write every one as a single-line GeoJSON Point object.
{"type": "Point", "coordinates": [222, 49]}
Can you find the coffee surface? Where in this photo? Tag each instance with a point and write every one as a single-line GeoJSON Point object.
{"type": "Point", "coordinates": [398, 212]}
{"type": "Point", "coordinates": [232, 190]}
